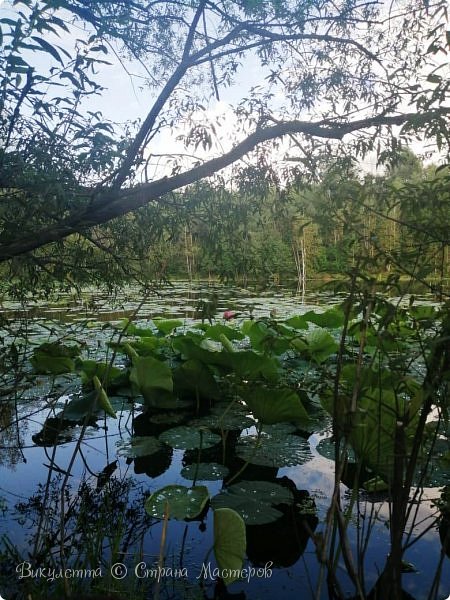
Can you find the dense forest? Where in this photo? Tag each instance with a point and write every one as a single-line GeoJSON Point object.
{"type": "Point", "coordinates": [306, 229]}
{"type": "Point", "coordinates": [259, 228]}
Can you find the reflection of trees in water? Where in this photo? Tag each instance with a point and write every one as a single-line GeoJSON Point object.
{"type": "Point", "coordinates": [11, 435]}
{"type": "Point", "coordinates": [102, 523]}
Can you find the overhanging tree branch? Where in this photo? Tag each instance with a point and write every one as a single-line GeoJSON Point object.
{"type": "Point", "coordinates": [113, 203]}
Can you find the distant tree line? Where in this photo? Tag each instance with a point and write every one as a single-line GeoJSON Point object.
{"type": "Point", "coordinates": [390, 223]}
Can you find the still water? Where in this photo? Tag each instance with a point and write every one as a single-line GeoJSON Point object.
{"type": "Point", "coordinates": [105, 488]}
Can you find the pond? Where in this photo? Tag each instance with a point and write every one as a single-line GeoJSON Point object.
{"type": "Point", "coordinates": [122, 492]}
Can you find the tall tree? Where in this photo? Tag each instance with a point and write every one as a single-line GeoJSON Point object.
{"type": "Point", "coordinates": [331, 71]}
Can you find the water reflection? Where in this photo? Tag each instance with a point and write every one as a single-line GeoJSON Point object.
{"type": "Point", "coordinates": [11, 435]}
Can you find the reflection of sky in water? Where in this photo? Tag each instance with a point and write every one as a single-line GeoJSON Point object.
{"type": "Point", "coordinates": [19, 480]}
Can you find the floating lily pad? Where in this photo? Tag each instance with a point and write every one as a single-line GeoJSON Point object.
{"type": "Point", "coordinates": [166, 400]}
{"type": "Point", "coordinates": [177, 502]}
{"type": "Point", "coordinates": [204, 472]}
{"type": "Point", "coordinates": [326, 449]}
{"type": "Point", "coordinates": [188, 438]}
{"type": "Point", "coordinates": [280, 429]}
{"type": "Point", "coordinates": [138, 446]}
{"type": "Point", "coordinates": [229, 543]}
{"type": "Point", "coordinates": [226, 416]}
{"type": "Point", "coordinates": [274, 450]}
{"type": "Point", "coordinates": [167, 418]}
{"type": "Point", "coordinates": [255, 501]}
{"type": "Point", "coordinates": [78, 408]}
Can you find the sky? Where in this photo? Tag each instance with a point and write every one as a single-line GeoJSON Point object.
{"type": "Point", "coordinates": [124, 99]}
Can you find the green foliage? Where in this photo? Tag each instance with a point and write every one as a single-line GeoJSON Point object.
{"type": "Point", "coordinates": [229, 542]}
{"type": "Point", "coordinates": [275, 405]}
{"type": "Point", "coordinates": [254, 501]}
{"type": "Point", "coordinates": [189, 438]}
{"type": "Point", "coordinates": [54, 358]}
{"type": "Point", "coordinates": [204, 472]}
{"type": "Point", "coordinates": [149, 374]}
{"type": "Point", "coordinates": [103, 399]}
{"type": "Point", "coordinates": [177, 502]}
{"type": "Point", "coordinates": [273, 448]}
{"type": "Point", "coordinates": [139, 446]}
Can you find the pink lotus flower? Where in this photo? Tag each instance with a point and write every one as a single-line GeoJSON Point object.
{"type": "Point", "coordinates": [229, 314]}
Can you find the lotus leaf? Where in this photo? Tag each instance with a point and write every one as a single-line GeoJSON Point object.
{"type": "Point", "coordinates": [204, 472]}
{"type": "Point", "coordinates": [54, 358]}
{"type": "Point", "coordinates": [273, 450]}
{"type": "Point", "coordinates": [165, 326]}
{"type": "Point", "coordinates": [188, 438]}
{"type": "Point", "coordinates": [275, 405]}
{"type": "Point", "coordinates": [148, 374]}
{"type": "Point", "coordinates": [177, 502]}
{"type": "Point", "coordinates": [138, 446]}
{"type": "Point", "coordinates": [229, 543]}
{"type": "Point", "coordinates": [255, 501]}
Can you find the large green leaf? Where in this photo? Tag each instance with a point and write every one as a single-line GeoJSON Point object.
{"type": "Point", "coordinates": [375, 425]}
{"type": "Point", "coordinates": [148, 374]}
{"type": "Point", "coordinates": [321, 345]}
{"type": "Point", "coordinates": [188, 438]}
{"type": "Point", "coordinates": [246, 364]}
{"type": "Point", "coordinates": [54, 358]}
{"type": "Point", "coordinates": [138, 446]}
{"type": "Point", "coordinates": [215, 331]}
{"type": "Point", "coordinates": [204, 472]}
{"type": "Point", "coordinates": [103, 399]}
{"type": "Point", "coordinates": [177, 502]}
{"type": "Point", "coordinates": [274, 450]}
{"type": "Point", "coordinates": [297, 322]}
{"type": "Point", "coordinates": [147, 346]}
{"type": "Point", "coordinates": [275, 405]}
{"type": "Point", "coordinates": [109, 375]}
{"type": "Point", "coordinates": [250, 365]}
{"type": "Point", "coordinates": [265, 338]}
{"type": "Point", "coordinates": [331, 318]}
{"type": "Point", "coordinates": [196, 377]}
{"type": "Point", "coordinates": [254, 501]}
{"type": "Point", "coordinates": [165, 326]}
{"type": "Point", "coordinates": [229, 543]}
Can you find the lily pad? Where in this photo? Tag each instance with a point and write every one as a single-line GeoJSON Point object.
{"type": "Point", "coordinates": [78, 408]}
{"type": "Point", "coordinates": [138, 446]}
{"type": "Point", "coordinates": [177, 502]}
{"type": "Point", "coordinates": [231, 416]}
{"type": "Point", "coordinates": [167, 418]}
{"type": "Point", "coordinates": [274, 450]}
{"type": "Point", "coordinates": [255, 501]}
{"type": "Point", "coordinates": [229, 543]}
{"type": "Point", "coordinates": [204, 472]}
{"type": "Point", "coordinates": [188, 438]}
